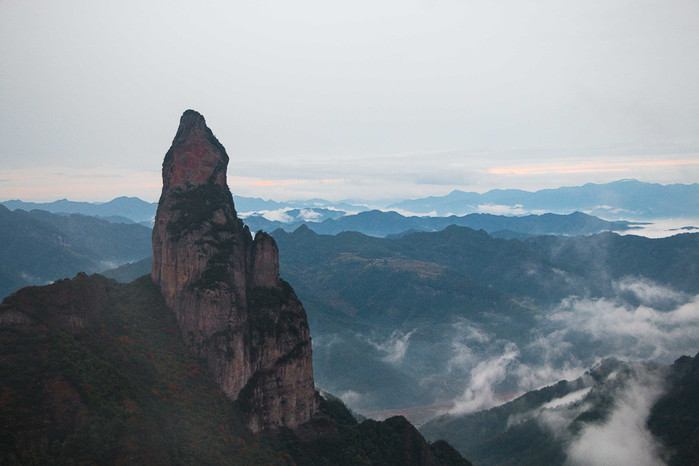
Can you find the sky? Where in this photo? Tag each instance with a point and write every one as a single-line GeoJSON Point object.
{"type": "Point", "coordinates": [371, 100]}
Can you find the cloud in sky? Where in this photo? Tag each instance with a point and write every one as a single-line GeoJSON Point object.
{"type": "Point", "coordinates": [396, 98]}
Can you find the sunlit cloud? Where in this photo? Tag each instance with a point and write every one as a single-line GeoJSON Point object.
{"type": "Point", "coordinates": [588, 167]}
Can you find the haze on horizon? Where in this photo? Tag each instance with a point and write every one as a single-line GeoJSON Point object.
{"type": "Point", "coordinates": [363, 100]}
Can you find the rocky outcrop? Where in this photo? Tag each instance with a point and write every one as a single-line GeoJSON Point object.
{"type": "Point", "coordinates": [233, 309]}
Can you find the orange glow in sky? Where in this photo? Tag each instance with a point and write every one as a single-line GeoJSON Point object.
{"type": "Point", "coordinates": [587, 167]}
{"type": "Point", "coordinates": [292, 182]}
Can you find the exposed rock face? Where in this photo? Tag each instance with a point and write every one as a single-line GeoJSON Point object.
{"type": "Point", "coordinates": [233, 309]}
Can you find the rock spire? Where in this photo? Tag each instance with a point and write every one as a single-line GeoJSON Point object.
{"type": "Point", "coordinates": [233, 309]}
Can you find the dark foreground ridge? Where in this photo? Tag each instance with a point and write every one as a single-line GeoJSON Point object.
{"type": "Point", "coordinates": [95, 372]}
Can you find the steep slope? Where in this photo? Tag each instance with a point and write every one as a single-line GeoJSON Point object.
{"type": "Point", "coordinates": [95, 372]}
{"type": "Point", "coordinates": [233, 309]}
{"type": "Point", "coordinates": [187, 365]}
{"type": "Point", "coordinates": [674, 418]}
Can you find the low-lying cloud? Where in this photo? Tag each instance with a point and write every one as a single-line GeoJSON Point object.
{"type": "Point", "coordinates": [623, 437]}
{"type": "Point", "coordinates": [470, 365]}
{"type": "Point", "coordinates": [479, 393]}
{"type": "Point", "coordinates": [571, 338]}
{"type": "Point", "coordinates": [651, 294]}
{"type": "Point", "coordinates": [629, 332]}
{"type": "Point", "coordinates": [498, 209]}
{"type": "Point", "coordinates": [395, 347]}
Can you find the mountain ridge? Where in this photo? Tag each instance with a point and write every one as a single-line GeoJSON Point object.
{"type": "Point", "coordinates": [623, 199]}
{"type": "Point", "coordinates": [617, 200]}
{"type": "Point", "coordinates": [384, 223]}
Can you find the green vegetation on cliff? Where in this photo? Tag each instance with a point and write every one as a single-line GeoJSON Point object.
{"type": "Point", "coordinates": [196, 206]}
{"type": "Point", "coordinates": [125, 390]}
{"type": "Point", "coordinates": [94, 371]}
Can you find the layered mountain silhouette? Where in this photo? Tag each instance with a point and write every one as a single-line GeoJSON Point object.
{"type": "Point", "coordinates": [379, 223]}
{"type": "Point", "coordinates": [39, 247]}
{"type": "Point", "coordinates": [119, 210]}
{"type": "Point", "coordinates": [624, 199]}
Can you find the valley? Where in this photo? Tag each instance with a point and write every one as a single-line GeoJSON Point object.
{"type": "Point", "coordinates": [458, 321]}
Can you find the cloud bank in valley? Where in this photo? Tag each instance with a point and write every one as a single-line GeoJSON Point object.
{"type": "Point", "coordinates": [574, 336]}
{"type": "Point", "coordinates": [623, 437]}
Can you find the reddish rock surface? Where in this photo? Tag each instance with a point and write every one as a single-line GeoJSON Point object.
{"type": "Point", "coordinates": [233, 309]}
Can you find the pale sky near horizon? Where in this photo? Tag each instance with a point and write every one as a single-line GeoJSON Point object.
{"type": "Point", "coordinates": [359, 100]}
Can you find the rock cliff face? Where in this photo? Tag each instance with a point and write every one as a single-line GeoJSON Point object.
{"type": "Point", "coordinates": [233, 309]}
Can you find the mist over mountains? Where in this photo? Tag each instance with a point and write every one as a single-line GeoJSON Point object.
{"type": "Point", "coordinates": [232, 381]}
{"type": "Point", "coordinates": [428, 315]}
{"type": "Point", "coordinates": [616, 410]}
{"type": "Point", "coordinates": [624, 199]}
{"type": "Point", "coordinates": [460, 320]}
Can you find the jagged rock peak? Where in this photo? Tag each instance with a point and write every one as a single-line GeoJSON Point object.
{"type": "Point", "coordinates": [196, 157]}
{"type": "Point", "coordinates": [233, 309]}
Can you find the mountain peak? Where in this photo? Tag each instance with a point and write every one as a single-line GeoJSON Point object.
{"type": "Point", "coordinates": [196, 157]}
{"type": "Point", "coordinates": [233, 309]}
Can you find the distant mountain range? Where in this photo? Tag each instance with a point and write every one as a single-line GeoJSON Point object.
{"type": "Point", "coordinates": [625, 199]}
{"type": "Point", "coordinates": [120, 210]}
{"type": "Point", "coordinates": [71, 243]}
{"type": "Point", "coordinates": [379, 223]}
{"type": "Point", "coordinates": [39, 247]}
{"type": "Point", "coordinates": [134, 210]}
